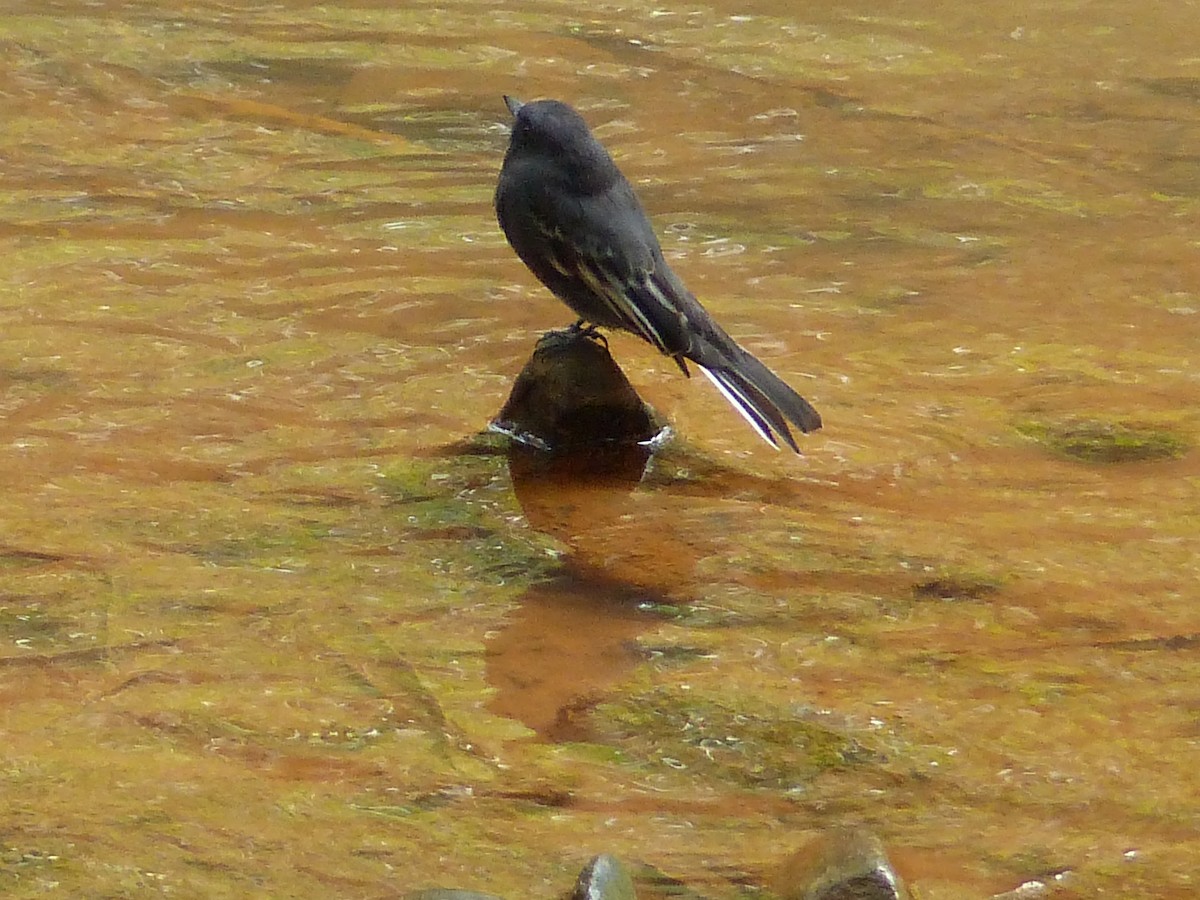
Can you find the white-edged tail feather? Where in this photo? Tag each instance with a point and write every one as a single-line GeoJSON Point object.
{"type": "Point", "coordinates": [739, 401]}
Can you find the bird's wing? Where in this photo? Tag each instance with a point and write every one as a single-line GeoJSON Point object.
{"type": "Point", "coordinates": [606, 248]}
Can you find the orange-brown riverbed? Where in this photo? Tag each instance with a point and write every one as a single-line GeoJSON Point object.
{"type": "Point", "coordinates": [271, 624]}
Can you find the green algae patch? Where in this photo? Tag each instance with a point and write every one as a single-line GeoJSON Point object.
{"type": "Point", "coordinates": [724, 739]}
{"type": "Point", "coordinates": [462, 511]}
{"type": "Point", "coordinates": [28, 625]}
{"type": "Point", "coordinates": [1101, 441]}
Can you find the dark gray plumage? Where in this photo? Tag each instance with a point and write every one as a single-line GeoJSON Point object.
{"type": "Point", "coordinates": [574, 220]}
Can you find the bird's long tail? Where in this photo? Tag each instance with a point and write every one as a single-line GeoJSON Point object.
{"type": "Point", "coordinates": [763, 398]}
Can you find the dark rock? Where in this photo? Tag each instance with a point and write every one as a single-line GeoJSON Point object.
{"type": "Point", "coordinates": [841, 865]}
{"type": "Point", "coordinates": [572, 394]}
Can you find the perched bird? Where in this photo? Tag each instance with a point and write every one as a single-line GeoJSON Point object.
{"type": "Point", "coordinates": [575, 222]}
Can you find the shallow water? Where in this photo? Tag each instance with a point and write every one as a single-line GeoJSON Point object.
{"type": "Point", "coordinates": [272, 622]}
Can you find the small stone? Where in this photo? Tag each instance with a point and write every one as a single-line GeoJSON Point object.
{"type": "Point", "coordinates": [841, 865]}
{"type": "Point", "coordinates": [604, 878]}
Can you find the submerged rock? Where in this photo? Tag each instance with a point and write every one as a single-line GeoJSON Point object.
{"type": "Point", "coordinates": [572, 394]}
{"type": "Point", "coordinates": [841, 865]}
{"type": "Point", "coordinates": [604, 878]}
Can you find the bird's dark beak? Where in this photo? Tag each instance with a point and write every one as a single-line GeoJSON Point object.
{"type": "Point", "coordinates": [514, 105]}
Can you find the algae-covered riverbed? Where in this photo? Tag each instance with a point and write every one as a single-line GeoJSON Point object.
{"type": "Point", "coordinates": [275, 621]}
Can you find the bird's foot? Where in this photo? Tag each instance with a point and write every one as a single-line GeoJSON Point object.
{"type": "Point", "coordinates": [588, 330]}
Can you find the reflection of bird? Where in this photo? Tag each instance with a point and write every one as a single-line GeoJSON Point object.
{"type": "Point", "coordinates": [574, 220]}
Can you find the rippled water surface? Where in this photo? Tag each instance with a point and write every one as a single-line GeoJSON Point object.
{"type": "Point", "coordinates": [274, 622]}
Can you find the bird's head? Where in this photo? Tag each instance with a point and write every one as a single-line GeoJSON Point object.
{"type": "Point", "coordinates": [553, 130]}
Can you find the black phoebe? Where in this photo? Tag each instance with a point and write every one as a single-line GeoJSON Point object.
{"type": "Point", "coordinates": [575, 222]}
